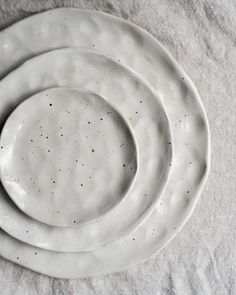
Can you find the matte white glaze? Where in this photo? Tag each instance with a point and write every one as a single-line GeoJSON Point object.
{"type": "Point", "coordinates": [143, 54]}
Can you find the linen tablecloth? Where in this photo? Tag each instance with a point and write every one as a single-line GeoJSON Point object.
{"type": "Point", "coordinates": [201, 35]}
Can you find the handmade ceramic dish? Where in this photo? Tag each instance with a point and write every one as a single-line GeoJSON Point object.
{"type": "Point", "coordinates": [147, 57]}
{"type": "Point", "coordinates": [140, 106]}
{"type": "Point", "coordinates": [59, 148]}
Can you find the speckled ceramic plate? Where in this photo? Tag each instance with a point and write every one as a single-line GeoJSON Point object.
{"type": "Point", "coordinates": [67, 157]}
{"type": "Point", "coordinates": [142, 53]}
{"type": "Point", "coordinates": [150, 161]}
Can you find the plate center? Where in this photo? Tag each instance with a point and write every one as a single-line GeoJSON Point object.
{"type": "Point", "coordinates": [67, 156]}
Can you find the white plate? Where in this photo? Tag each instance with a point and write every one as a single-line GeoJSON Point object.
{"type": "Point", "coordinates": [128, 94]}
{"type": "Point", "coordinates": [145, 55]}
{"type": "Point", "coordinates": [67, 157]}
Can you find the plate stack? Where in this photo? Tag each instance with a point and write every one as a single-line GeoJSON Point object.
{"type": "Point", "coordinates": [104, 144]}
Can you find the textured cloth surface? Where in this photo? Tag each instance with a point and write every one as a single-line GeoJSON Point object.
{"type": "Point", "coordinates": [201, 35]}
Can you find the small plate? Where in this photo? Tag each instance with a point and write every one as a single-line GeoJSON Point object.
{"type": "Point", "coordinates": [67, 157]}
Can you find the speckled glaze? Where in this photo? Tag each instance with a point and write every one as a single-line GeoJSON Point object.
{"type": "Point", "coordinates": [131, 46]}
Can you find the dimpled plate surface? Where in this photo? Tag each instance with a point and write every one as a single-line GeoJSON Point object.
{"type": "Point", "coordinates": [145, 55]}
{"type": "Point", "coordinates": [67, 156]}
{"type": "Point", "coordinates": [138, 104]}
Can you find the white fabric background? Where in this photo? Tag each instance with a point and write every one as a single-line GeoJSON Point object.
{"type": "Point", "coordinates": [201, 35]}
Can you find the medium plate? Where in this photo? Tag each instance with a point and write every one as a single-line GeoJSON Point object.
{"type": "Point", "coordinates": [145, 55]}
{"type": "Point", "coordinates": [139, 105]}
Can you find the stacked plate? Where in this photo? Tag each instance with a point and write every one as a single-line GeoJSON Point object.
{"type": "Point", "coordinates": [104, 144]}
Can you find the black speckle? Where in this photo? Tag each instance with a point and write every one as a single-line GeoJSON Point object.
{"type": "Point", "coordinates": [141, 101]}
{"type": "Point", "coordinates": [136, 112]}
{"type": "Point", "coordinates": [74, 221]}
{"type": "Point", "coordinates": [49, 151]}
{"type": "Point", "coordinates": [47, 137]}
{"type": "Point", "coordinates": [31, 140]}
{"type": "Point", "coordinates": [123, 165]}
{"type": "Point", "coordinates": [50, 104]}
{"type": "Point", "coordinates": [76, 161]}
{"type": "Point", "coordinates": [89, 122]}
{"type": "Point", "coordinates": [1, 147]}
{"type": "Point", "coordinates": [61, 134]}
{"type": "Point", "coordinates": [17, 258]}
{"type": "Point", "coordinates": [190, 163]}
{"type": "Point", "coordinates": [101, 119]}
{"type": "Point", "coordinates": [35, 253]}
{"type": "Point", "coordinates": [169, 143]}
{"type": "Point", "coordinates": [187, 192]}
{"type": "Point", "coordinates": [133, 239]}
{"type": "Point", "coordinates": [81, 184]}
{"type": "Point", "coordinates": [92, 150]}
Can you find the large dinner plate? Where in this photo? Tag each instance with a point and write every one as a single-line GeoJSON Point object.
{"type": "Point", "coordinates": [138, 50]}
